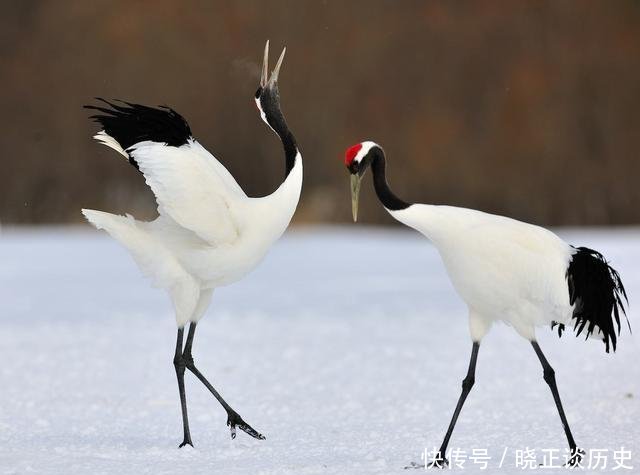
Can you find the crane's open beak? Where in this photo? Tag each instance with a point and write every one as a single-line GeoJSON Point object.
{"type": "Point", "coordinates": [264, 78]}
{"type": "Point", "coordinates": [355, 194]}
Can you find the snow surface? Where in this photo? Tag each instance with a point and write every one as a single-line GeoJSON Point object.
{"type": "Point", "coordinates": [346, 348]}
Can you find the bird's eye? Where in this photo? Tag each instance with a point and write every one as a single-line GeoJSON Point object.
{"type": "Point", "coordinates": [258, 92]}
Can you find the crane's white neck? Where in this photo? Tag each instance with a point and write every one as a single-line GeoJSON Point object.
{"type": "Point", "coordinates": [439, 223]}
{"type": "Point", "coordinates": [274, 212]}
{"type": "Point", "coordinates": [288, 193]}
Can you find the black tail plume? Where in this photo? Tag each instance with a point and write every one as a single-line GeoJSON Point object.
{"type": "Point", "coordinates": [597, 292]}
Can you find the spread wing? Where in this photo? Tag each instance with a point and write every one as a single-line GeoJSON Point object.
{"type": "Point", "coordinates": [190, 190]}
{"type": "Point", "coordinates": [190, 185]}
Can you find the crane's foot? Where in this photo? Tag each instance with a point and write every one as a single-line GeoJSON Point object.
{"type": "Point", "coordinates": [186, 441]}
{"type": "Point", "coordinates": [440, 461]}
{"type": "Point", "coordinates": [575, 458]}
{"type": "Point", "coordinates": [414, 465]}
{"type": "Point", "coordinates": [234, 420]}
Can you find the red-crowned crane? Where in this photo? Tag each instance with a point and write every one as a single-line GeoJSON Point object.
{"type": "Point", "coordinates": [506, 270]}
{"type": "Point", "coordinates": [209, 233]}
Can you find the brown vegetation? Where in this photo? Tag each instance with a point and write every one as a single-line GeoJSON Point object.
{"type": "Point", "coordinates": [526, 108]}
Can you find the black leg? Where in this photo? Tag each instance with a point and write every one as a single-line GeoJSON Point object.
{"type": "Point", "coordinates": [550, 379]}
{"type": "Point", "coordinates": [179, 364]}
{"type": "Point", "coordinates": [233, 418]}
{"type": "Point", "coordinates": [467, 383]}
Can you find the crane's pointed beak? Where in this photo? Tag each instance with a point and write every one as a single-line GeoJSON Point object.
{"type": "Point", "coordinates": [265, 80]}
{"type": "Point", "coordinates": [265, 66]}
{"type": "Point", "coordinates": [276, 70]}
{"type": "Point", "coordinates": [355, 194]}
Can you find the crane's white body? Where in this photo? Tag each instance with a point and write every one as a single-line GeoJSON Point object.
{"type": "Point", "coordinates": [502, 268]}
{"type": "Point", "coordinates": [505, 270]}
{"type": "Point", "coordinates": [209, 233]}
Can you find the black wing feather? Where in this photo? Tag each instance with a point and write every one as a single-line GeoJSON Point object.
{"type": "Point", "coordinates": [131, 123]}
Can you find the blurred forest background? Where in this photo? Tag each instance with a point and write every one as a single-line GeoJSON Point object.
{"type": "Point", "coordinates": [526, 108]}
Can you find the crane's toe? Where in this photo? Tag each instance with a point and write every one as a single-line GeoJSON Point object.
{"type": "Point", "coordinates": [575, 458]}
{"type": "Point", "coordinates": [234, 420]}
{"type": "Point", "coordinates": [414, 465]}
{"type": "Point", "coordinates": [440, 461]}
{"type": "Point", "coordinates": [185, 442]}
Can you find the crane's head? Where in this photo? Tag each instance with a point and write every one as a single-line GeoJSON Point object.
{"type": "Point", "coordinates": [267, 96]}
{"type": "Point", "coordinates": [358, 158]}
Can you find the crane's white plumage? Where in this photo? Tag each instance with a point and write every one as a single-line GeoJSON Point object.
{"type": "Point", "coordinates": [106, 139]}
{"type": "Point", "coordinates": [502, 268]}
{"type": "Point", "coordinates": [190, 190]}
{"type": "Point", "coordinates": [208, 232]}
{"type": "Point", "coordinates": [506, 270]}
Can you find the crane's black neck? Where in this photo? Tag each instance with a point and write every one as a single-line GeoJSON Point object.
{"type": "Point", "coordinates": [275, 118]}
{"type": "Point", "coordinates": [290, 151]}
{"type": "Point", "coordinates": [388, 199]}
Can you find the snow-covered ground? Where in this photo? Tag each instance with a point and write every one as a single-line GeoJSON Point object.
{"type": "Point", "coordinates": [346, 348]}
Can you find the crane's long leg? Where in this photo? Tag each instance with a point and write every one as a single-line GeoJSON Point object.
{"type": "Point", "coordinates": [179, 364]}
{"type": "Point", "coordinates": [233, 418]}
{"type": "Point", "coordinates": [550, 378]}
{"type": "Point", "coordinates": [467, 383]}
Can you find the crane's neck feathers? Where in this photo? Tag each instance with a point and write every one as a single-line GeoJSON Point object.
{"type": "Point", "coordinates": [269, 108]}
{"type": "Point", "coordinates": [387, 197]}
